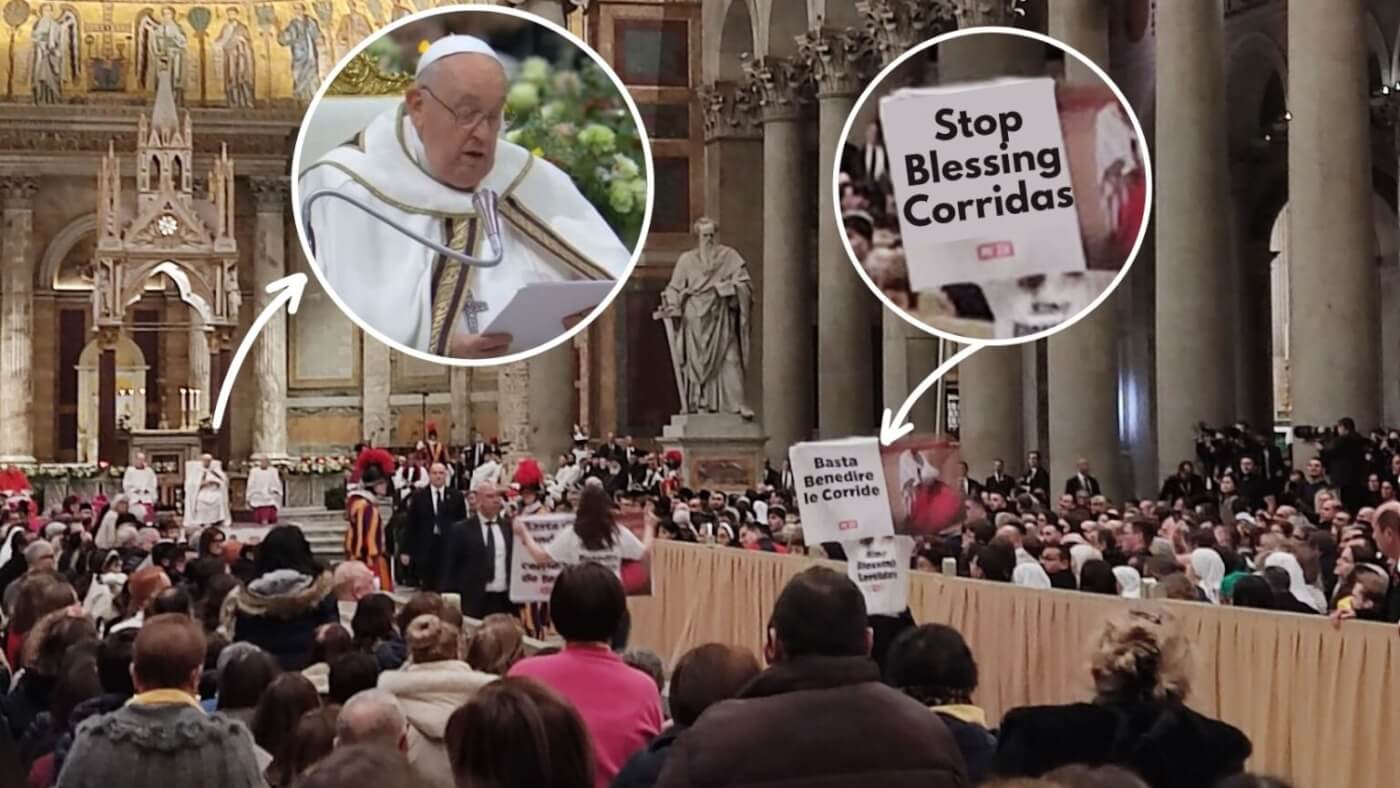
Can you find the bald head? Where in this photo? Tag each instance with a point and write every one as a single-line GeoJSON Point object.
{"type": "Point", "coordinates": [372, 717]}
{"type": "Point", "coordinates": [457, 106]}
{"type": "Point", "coordinates": [488, 499]}
{"type": "Point", "coordinates": [353, 581]}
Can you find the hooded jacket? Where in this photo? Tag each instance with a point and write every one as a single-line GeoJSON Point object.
{"type": "Point", "coordinates": [280, 611]}
{"type": "Point", "coordinates": [428, 693]}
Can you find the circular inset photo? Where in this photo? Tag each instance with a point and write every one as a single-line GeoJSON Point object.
{"type": "Point", "coordinates": [473, 185]}
{"type": "Point", "coordinates": [996, 186]}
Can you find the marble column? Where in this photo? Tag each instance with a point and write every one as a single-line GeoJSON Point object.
{"type": "Point", "coordinates": [897, 25]}
{"type": "Point", "coordinates": [460, 386]}
{"type": "Point", "coordinates": [1195, 359]}
{"type": "Point", "coordinates": [513, 409]}
{"type": "Point", "coordinates": [220, 356]}
{"type": "Point", "coordinates": [1334, 326]}
{"type": "Point", "coordinates": [1082, 361]}
{"type": "Point", "coordinates": [909, 355]}
{"type": "Point", "coordinates": [845, 370]}
{"type": "Point", "coordinates": [733, 153]}
{"type": "Point", "coordinates": [551, 404]}
{"type": "Point", "coordinates": [376, 417]}
{"type": "Point", "coordinates": [270, 351]}
{"type": "Point", "coordinates": [198, 378]}
{"type": "Point", "coordinates": [17, 321]}
{"type": "Point", "coordinates": [990, 381]}
{"type": "Point", "coordinates": [788, 387]}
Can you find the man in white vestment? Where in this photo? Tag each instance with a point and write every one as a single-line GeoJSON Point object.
{"type": "Point", "coordinates": [140, 487]}
{"type": "Point", "coordinates": [264, 492]}
{"type": "Point", "coordinates": [206, 493]}
{"type": "Point", "coordinates": [420, 163]}
{"type": "Point", "coordinates": [488, 472]}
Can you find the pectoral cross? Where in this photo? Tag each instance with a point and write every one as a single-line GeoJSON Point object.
{"type": "Point", "coordinates": [472, 308]}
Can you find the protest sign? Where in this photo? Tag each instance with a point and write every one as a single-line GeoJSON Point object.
{"type": "Point", "coordinates": [923, 474]}
{"type": "Point", "coordinates": [636, 575]}
{"type": "Point", "coordinates": [982, 182]}
{"type": "Point", "coordinates": [841, 490]}
{"type": "Point", "coordinates": [880, 568]}
{"type": "Point", "coordinates": [530, 580]}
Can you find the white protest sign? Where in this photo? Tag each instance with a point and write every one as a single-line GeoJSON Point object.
{"type": "Point", "coordinates": [880, 567]}
{"type": "Point", "coordinates": [982, 182]}
{"type": "Point", "coordinates": [531, 581]}
{"type": "Point", "coordinates": [841, 491]}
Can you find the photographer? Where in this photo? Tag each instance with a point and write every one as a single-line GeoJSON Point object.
{"type": "Point", "coordinates": [1344, 456]}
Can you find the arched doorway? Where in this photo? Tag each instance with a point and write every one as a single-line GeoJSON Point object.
{"type": "Point", "coordinates": [131, 391]}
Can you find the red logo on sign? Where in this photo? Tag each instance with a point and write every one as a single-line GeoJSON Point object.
{"type": "Point", "coordinates": [846, 525]}
{"type": "Point", "coordinates": [995, 250]}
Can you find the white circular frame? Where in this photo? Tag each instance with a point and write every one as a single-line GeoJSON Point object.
{"type": "Point", "coordinates": [1107, 291]}
{"type": "Point", "coordinates": [622, 280]}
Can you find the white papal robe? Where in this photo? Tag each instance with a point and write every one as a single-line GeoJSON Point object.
{"type": "Point", "coordinates": [206, 495]}
{"type": "Point", "coordinates": [141, 489]}
{"type": "Point", "coordinates": [264, 488]}
{"type": "Point", "coordinates": [403, 289]}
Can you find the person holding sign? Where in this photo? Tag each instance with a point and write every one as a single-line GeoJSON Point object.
{"type": "Point", "coordinates": [595, 538]}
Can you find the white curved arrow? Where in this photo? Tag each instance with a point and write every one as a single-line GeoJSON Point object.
{"type": "Point", "coordinates": [286, 290]}
{"type": "Point", "coordinates": [893, 426]}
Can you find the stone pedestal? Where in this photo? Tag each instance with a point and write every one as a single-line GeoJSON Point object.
{"type": "Point", "coordinates": [720, 451]}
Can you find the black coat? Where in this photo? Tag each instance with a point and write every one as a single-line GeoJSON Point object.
{"type": "Point", "coordinates": [1192, 488]}
{"type": "Point", "coordinates": [1038, 479]}
{"type": "Point", "coordinates": [423, 524]}
{"type": "Point", "coordinates": [1005, 485]}
{"type": "Point", "coordinates": [643, 769]}
{"type": "Point", "coordinates": [1089, 484]}
{"type": "Point", "coordinates": [280, 613]}
{"type": "Point", "coordinates": [1167, 744]}
{"type": "Point", "coordinates": [817, 722]}
{"type": "Point", "coordinates": [977, 745]}
{"type": "Point", "coordinates": [467, 566]}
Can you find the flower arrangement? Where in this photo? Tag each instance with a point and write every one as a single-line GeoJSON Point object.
{"type": "Point", "coordinates": [577, 120]}
{"type": "Point", "coordinates": [298, 466]}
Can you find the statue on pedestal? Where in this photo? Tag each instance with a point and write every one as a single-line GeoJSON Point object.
{"type": "Point", "coordinates": [706, 309]}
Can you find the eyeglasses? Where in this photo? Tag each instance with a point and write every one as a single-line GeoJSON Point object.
{"type": "Point", "coordinates": [469, 121]}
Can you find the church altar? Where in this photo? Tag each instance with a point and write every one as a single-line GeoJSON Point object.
{"type": "Point", "coordinates": [305, 481]}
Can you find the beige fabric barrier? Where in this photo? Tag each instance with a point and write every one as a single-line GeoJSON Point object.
{"type": "Point", "coordinates": [1321, 705]}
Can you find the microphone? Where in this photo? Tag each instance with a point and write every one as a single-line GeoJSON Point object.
{"type": "Point", "coordinates": [484, 201]}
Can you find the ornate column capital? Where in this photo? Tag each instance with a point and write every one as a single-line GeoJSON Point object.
{"type": "Point", "coordinates": [270, 192]}
{"type": "Point", "coordinates": [779, 86]}
{"type": "Point", "coordinates": [971, 13]}
{"type": "Point", "coordinates": [838, 59]}
{"type": "Point", "coordinates": [731, 111]}
{"type": "Point", "coordinates": [18, 191]}
{"type": "Point", "coordinates": [896, 25]}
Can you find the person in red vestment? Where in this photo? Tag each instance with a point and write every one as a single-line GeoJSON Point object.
{"type": "Point", "coordinates": [13, 481]}
{"type": "Point", "coordinates": [365, 536]}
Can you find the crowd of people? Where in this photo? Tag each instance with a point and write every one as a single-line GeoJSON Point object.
{"type": "Point", "coordinates": [187, 655]}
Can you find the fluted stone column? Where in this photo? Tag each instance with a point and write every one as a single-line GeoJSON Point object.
{"type": "Point", "coordinates": [376, 417]}
{"type": "Point", "coordinates": [460, 386]}
{"type": "Point", "coordinates": [1195, 360]}
{"type": "Point", "coordinates": [17, 321]}
{"type": "Point", "coordinates": [845, 379]}
{"type": "Point", "coordinates": [788, 387]}
{"type": "Point", "coordinates": [1082, 361]}
{"type": "Point", "coordinates": [199, 368]}
{"type": "Point", "coordinates": [990, 381]}
{"type": "Point", "coordinates": [270, 351]}
{"type": "Point", "coordinates": [734, 200]}
{"type": "Point", "coordinates": [1333, 281]}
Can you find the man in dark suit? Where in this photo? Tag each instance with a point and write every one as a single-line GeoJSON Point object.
{"type": "Point", "coordinates": [1188, 484]}
{"type": "Point", "coordinates": [476, 557]}
{"type": "Point", "coordinates": [1082, 480]}
{"type": "Point", "coordinates": [1000, 481]}
{"type": "Point", "coordinates": [968, 486]}
{"type": "Point", "coordinates": [431, 510]}
{"type": "Point", "coordinates": [1036, 478]}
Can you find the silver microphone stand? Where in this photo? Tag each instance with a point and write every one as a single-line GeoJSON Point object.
{"type": "Point", "coordinates": [484, 201]}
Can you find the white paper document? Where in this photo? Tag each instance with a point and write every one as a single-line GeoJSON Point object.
{"type": "Point", "coordinates": [535, 314]}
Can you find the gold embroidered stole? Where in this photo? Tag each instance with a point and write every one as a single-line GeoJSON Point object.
{"type": "Point", "coordinates": [452, 281]}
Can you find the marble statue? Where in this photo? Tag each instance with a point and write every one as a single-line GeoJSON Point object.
{"type": "Point", "coordinates": [235, 48]}
{"type": "Point", "coordinates": [706, 309]}
{"type": "Point", "coordinates": [55, 54]}
{"type": "Point", "coordinates": [164, 45]}
{"type": "Point", "coordinates": [302, 35]}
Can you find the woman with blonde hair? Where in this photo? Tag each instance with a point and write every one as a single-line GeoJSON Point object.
{"type": "Point", "coordinates": [429, 688]}
{"type": "Point", "coordinates": [1141, 668]}
{"type": "Point", "coordinates": [497, 644]}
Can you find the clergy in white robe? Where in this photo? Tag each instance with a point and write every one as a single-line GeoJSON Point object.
{"type": "Point", "coordinates": [421, 163]}
{"type": "Point", "coordinates": [264, 493]}
{"type": "Point", "coordinates": [488, 472]}
{"type": "Point", "coordinates": [206, 493]}
{"type": "Point", "coordinates": [141, 488]}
